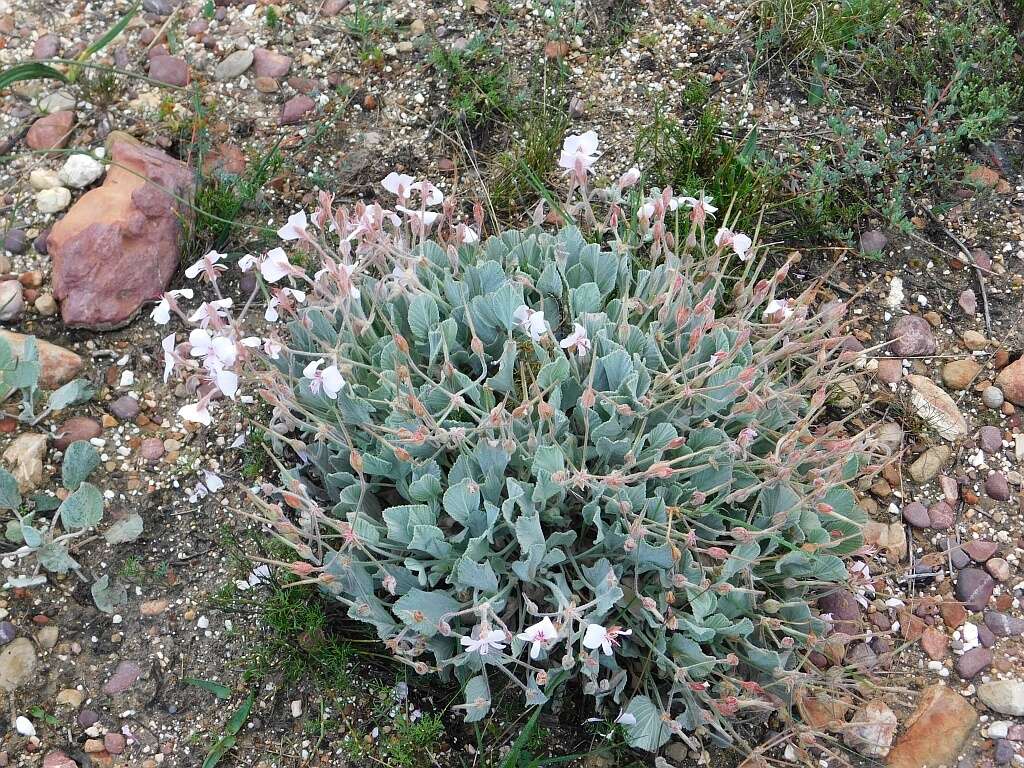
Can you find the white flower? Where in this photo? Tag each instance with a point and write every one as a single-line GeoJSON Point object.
{"type": "Point", "coordinates": [169, 357]}
{"type": "Point", "coordinates": [541, 635]}
{"type": "Point", "coordinates": [329, 379]}
{"type": "Point", "coordinates": [488, 639]}
{"type": "Point", "coordinates": [197, 412]}
{"type": "Point", "coordinates": [738, 241]}
{"type": "Point", "coordinates": [275, 266]}
{"type": "Point", "coordinates": [247, 262]}
{"type": "Point", "coordinates": [419, 219]}
{"type": "Point", "coordinates": [531, 321]}
{"type": "Point", "coordinates": [206, 264]}
{"type": "Point", "coordinates": [626, 718]}
{"type": "Point", "coordinates": [466, 235]}
{"type": "Point", "coordinates": [578, 339]}
{"type": "Point", "coordinates": [348, 269]}
{"type": "Point", "coordinates": [777, 306]}
{"type": "Point", "coordinates": [212, 481]}
{"type": "Point", "coordinates": [398, 184]}
{"type": "Point", "coordinates": [430, 194]}
{"type": "Point", "coordinates": [272, 349]}
{"type": "Point", "coordinates": [209, 310]}
{"type": "Point", "coordinates": [161, 314]}
{"type": "Point", "coordinates": [226, 381]}
{"type": "Point", "coordinates": [271, 315]}
{"type": "Point", "coordinates": [629, 178]}
{"type": "Point", "coordinates": [295, 228]}
{"type": "Point", "coordinates": [579, 153]}
{"type": "Point", "coordinates": [597, 636]}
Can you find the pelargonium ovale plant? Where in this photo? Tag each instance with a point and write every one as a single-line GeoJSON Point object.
{"type": "Point", "coordinates": [591, 455]}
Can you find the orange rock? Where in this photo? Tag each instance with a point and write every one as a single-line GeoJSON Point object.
{"type": "Point", "coordinates": [935, 732]}
{"type": "Point", "coordinates": [51, 131]}
{"type": "Point", "coordinates": [58, 365]}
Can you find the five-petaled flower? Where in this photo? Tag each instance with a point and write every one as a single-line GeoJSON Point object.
{"type": "Point", "coordinates": [739, 242]}
{"type": "Point", "coordinates": [700, 207]}
{"type": "Point", "coordinates": [486, 640]}
{"type": "Point", "coordinates": [778, 310]}
{"type": "Point", "coordinates": [276, 265]}
{"type": "Point", "coordinates": [329, 379]}
{"type": "Point", "coordinates": [161, 313]}
{"type": "Point", "coordinates": [577, 340]}
{"type": "Point", "coordinates": [541, 636]}
{"type": "Point", "coordinates": [295, 228]}
{"type": "Point", "coordinates": [579, 153]}
{"type": "Point", "coordinates": [531, 321]}
{"type": "Point", "coordinates": [207, 265]}
{"type": "Point", "coordinates": [597, 636]}
{"type": "Point", "coordinates": [398, 184]}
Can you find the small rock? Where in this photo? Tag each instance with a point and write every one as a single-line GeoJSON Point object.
{"type": "Point", "coordinates": [999, 569]}
{"type": "Point", "coordinates": [1005, 751]}
{"type": "Point", "coordinates": [871, 730]}
{"type": "Point", "coordinates": [58, 759]}
{"type": "Point", "coordinates": [928, 464]}
{"type": "Point", "coordinates": [80, 170]}
{"type": "Point", "coordinates": [43, 178]}
{"type": "Point", "coordinates": [16, 241]}
{"type": "Point", "coordinates": [1003, 624]}
{"type": "Point", "coordinates": [996, 487]}
{"type": "Point", "coordinates": [17, 663]}
{"type": "Point", "coordinates": [968, 302]}
{"type": "Point", "coordinates": [171, 70]}
{"type": "Point", "coordinates": [296, 110]}
{"type": "Point", "coordinates": [233, 65]}
{"type": "Point", "coordinates": [953, 614]}
{"type": "Point", "coordinates": [958, 374]}
{"type": "Point", "coordinates": [124, 677]}
{"type": "Point", "coordinates": [53, 200]}
{"type": "Point", "coordinates": [916, 514]}
{"type": "Point", "coordinates": [151, 449]}
{"type": "Point", "coordinates": [935, 643]}
{"type": "Point", "coordinates": [152, 608]}
{"type": "Point", "coordinates": [58, 365]}
{"type": "Point", "coordinates": [46, 305]}
{"type": "Point", "coordinates": [47, 637]}
{"type": "Point", "coordinates": [1003, 696]}
{"type": "Point", "coordinates": [125, 407]}
{"type": "Point", "coordinates": [266, 84]}
{"type": "Point", "coordinates": [936, 732]}
{"type": "Point", "coordinates": [975, 341]}
{"type": "Point", "coordinates": [113, 743]}
{"type": "Point", "coordinates": [76, 428]}
{"type": "Point", "coordinates": [973, 662]}
{"type": "Point", "coordinates": [872, 241]}
{"type": "Point", "coordinates": [912, 336]}
{"type": "Point", "coordinates": [270, 64]}
{"type": "Point", "coordinates": [25, 457]}
{"type": "Point", "coordinates": [7, 632]}
{"type": "Point", "coordinates": [992, 397]}
{"type": "Point", "coordinates": [88, 717]}
{"type": "Point", "coordinates": [980, 550]}
{"type": "Point", "coordinates": [51, 131]}
{"type": "Point", "coordinates": [941, 516]}
{"type": "Point", "coordinates": [937, 408]}
{"type": "Point", "coordinates": [70, 697]}
{"type": "Point", "coordinates": [12, 300]}
{"type": "Point", "coordinates": [990, 439]}
{"type": "Point", "coordinates": [1011, 381]}
{"type": "Point", "coordinates": [974, 588]}
{"type": "Point", "coordinates": [40, 243]}
{"type": "Point", "coordinates": [845, 611]}
{"type": "Point", "coordinates": [46, 47]}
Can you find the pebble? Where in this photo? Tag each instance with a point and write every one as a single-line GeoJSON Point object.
{"type": "Point", "coordinates": [114, 743]}
{"type": "Point", "coordinates": [171, 70]}
{"type": "Point", "coordinates": [973, 662]}
{"type": "Point", "coordinates": [125, 407]}
{"type": "Point", "coordinates": [46, 305]}
{"type": "Point", "coordinates": [53, 200]}
{"type": "Point", "coordinates": [980, 550]}
{"type": "Point", "coordinates": [941, 516]}
{"type": "Point", "coordinates": [151, 449]}
{"type": "Point", "coordinates": [927, 465]}
{"type": "Point", "coordinates": [88, 718]}
{"type": "Point", "coordinates": [47, 637]}
{"type": "Point", "coordinates": [1003, 624]}
{"type": "Point", "coordinates": [44, 178]}
{"type": "Point", "coordinates": [990, 439]}
{"type": "Point", "coordinates": [890, 370]}
{"type": "Point", "coordinates": [40, 243]}
{"type": "Point", "coordinates": [16, 241]}
{"type": "Point", "coordinates": [999, 569]}
{"type": "Point", "coordinates": [80, 170]}
{"type": "Point", "coordinates": [974, 588]}
{"type": "Point", "coordinates": [992, 397]}
{"type": "Point", "coordinates": [12, 300]}
{"type": "Point", "coordinates": [233, 65]}
{"type": "Point", "coordinates": [7, 632]}
{"type": "Point", "coordinates": [76, 428]}
{"type": "Point", "coordinates": [912, 336]}
{"type": "Point", "coordinates": [17, 663]}
{"type": "Point", "coordinates": [47, 46]}
{"type": "Point", "coordinates": [871, 730]}
{"type": "Point", "coordinates": [958, 374]}
{"type": "Point", "coordinates": [1003, 696]}
{"type": "Point", "coordinates": [124, 677]}
{"type": "Point", "coordinates": [996, 487]}
{"type": "Point", "coordinates": [296, 110]}
{"type": "Point", "coordinates": [916, 514]}
{"type": "Point", "coordinates": [70, 697]}
{"type": "Point", "coordinates": [873, 241]}
{"type": "Point", "coordinates": [270, 64]}
{"type": "Point", "coordinates": [973, 340]}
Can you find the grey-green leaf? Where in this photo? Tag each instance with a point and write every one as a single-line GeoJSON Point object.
{"type": "Point", "coordinates": [82, 509]}
{"type": "Point", "coordinates": [478, 699]}
{"type": "Point", "coordinates": [10, 496]}
{"type": "Point", "coordinates": [108, 596]}
{"type": "Point", "coordinates": [80, 459]}
{"type": "Point", "coordinates": [72, 393]}
{"type": "Point", "coordinates": [125, 530]}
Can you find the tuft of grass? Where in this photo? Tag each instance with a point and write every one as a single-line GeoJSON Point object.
{"type": "Point", "coordinates": [698, 157]}
{"type": "Point", "coordinates": [478, 85]}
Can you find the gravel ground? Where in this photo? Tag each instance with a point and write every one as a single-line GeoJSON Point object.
{"type": "Point", "coordinates": [111, 690]}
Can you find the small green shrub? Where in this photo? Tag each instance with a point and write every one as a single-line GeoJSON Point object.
{"type": "Point", "coordinates": [538, 459]}
{"type": "Point", "coordinates": [477, 84]}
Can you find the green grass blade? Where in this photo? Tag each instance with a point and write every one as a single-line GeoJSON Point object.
{"type": "Point", "coordinates": [218, 690]}
{"type": "Point", "coordinates": [29, 71]}
{"type": "Point", "coordinates": [110, 35]}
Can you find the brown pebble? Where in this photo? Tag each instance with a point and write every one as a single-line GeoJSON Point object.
{"type": "Point", "coordinates": [109, 422]}
{"type": "Point", "coordinates": [153, 607]}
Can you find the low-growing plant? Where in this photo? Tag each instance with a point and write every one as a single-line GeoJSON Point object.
{"type": "Point", "coordinates": [19, 374]}
{"type": "Point", "coordinates": [590, 457]}
{"type": "Point", "coordinates": [477, 82]}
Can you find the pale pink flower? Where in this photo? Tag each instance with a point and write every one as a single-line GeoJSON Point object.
{"type": "Point", "coordinates": [207, 265]}
{"type": "Point", "coordinates": [211, 312]}
{"type": "Point", "coordinates": [429, 194]}
{"type": "Point", "coordinates": [197, 412]}
{"type": "Point", "coordinates": [247, 262]}
{"type": "Point", "coordinates": [577, 340]}
{"type": "Point", "coordinates": [486, 640]}
{"type": "Point", "coordinates": [531, 321]}
{"type": "Point", "coordinates": [272, 349]}
{"type": "Point", "coordinates": [700, 207]}
{"type": "Point", "coordinates": [295, 228]}
{"type": "Point", "coordinates": [597, 636]}
{"type": "Point", "coordinates": [778, 310]}
{"type": "Point", "coordinates": [170, 357]}
{"type": "Point", "coordinates": [466, 235]}
{"type": "Point", "coordinates": [329, 379]}
{"type": "Point", "coordinates": [161, 313]}
{"type": "Point", "coordinates": [398, 184]}
{"type": "Point", "coordinates": [285, 297]}
{"type": "Point", "coordinates": [629, 178]}
{"type": "Point", "coordinates": [579, 153]}
{"type": "Point", "coordinates": [542, 636]}
{"type": "Point", "coordinates": [275, 265]}
{"type": "Point", "coordinates": [420, 220]}
{"type": "Point", "coordinates": [739, 242]}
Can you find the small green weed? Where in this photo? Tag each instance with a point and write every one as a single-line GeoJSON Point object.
{"type": "Point", "coordinates": [272, 18]}
{"type": "Point", "coordinates": [478, 84]}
